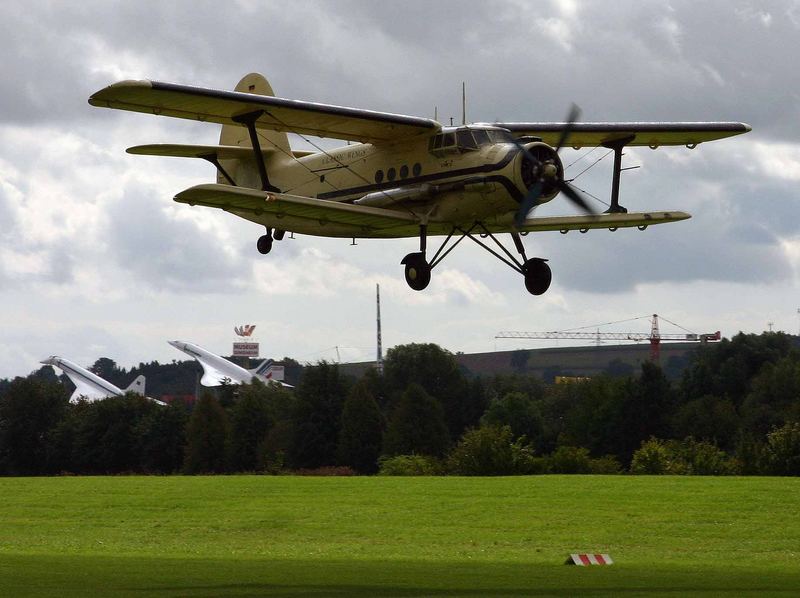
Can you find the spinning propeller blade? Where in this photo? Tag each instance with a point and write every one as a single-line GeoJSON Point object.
{"type": "Point", "coordinates": [575, 197]}
{"type": "Point", "coordinates": [572, 117]}
{"type": "Point", "coordinates": [529, 201]}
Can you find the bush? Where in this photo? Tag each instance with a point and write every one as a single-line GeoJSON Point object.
{"type": "Point", "coordinates": [569, 459]}
{"type": "Point", "coordinates": [782, 451]}
{"type": "Point", "coordinates": [407, 465]}
{"type": "Point", "coordinates": [607, 465]}
{"type": "Point", "coordinates": [491, 450]}
{"type": "Point", "coordinates": [705, 458]}
{"type": "Point", "coordinates": [652, 458]}
{"type": "Point", "coordinates": [327, 471]}
{"type": "Point", "coordinates": [686, 457]}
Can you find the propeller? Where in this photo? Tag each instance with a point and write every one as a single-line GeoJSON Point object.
{"type": "Point", "coordinates": [531, 197]}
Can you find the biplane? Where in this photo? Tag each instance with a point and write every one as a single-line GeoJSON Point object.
{"type": "Point", "coordinates": [398, 176]}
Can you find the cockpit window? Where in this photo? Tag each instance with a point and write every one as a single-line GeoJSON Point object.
{"type": "Point", "coordinates": [481, 136]}
{"type": "Point", "coordinates": [500, 136]}
{"type": "Point", "coordinates": [465, 140]}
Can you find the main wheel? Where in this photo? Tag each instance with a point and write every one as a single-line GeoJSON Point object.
{"type": "Point", "coordinates": [264, 244]}
{"type": "Point", "coordinates": [537, 276]}
{"type": "Point", "coordinates": [418, 271]}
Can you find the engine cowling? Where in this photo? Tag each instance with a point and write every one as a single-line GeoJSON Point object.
{"type": "Point", "coordinates": [546, 167]}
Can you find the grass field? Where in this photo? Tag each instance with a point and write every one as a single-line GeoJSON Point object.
{"type": "Point", "coordinates": [259, 535]}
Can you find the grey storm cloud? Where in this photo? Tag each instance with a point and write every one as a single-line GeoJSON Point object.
{"type": "Point", "coordinates": [627, 60]}
{"type": "Point", "coordinates": [630, 60]}
{"type": "Point", "coordinates": [166, 253]}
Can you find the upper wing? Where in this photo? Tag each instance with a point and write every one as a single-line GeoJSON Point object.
{"type": "Point", "coordinates": [652, 134]}
{"type": "Point", "coordinates": [609, 221]}
{"type": "Point", "coordinates": [301, 214]}
{"type": "Point", "coordinates": [279, 114]}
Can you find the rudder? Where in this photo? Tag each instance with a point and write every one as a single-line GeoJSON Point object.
{"type": "Point", "coordinates": [137, 386]}
{"type": "Point", "coordinates": [237, 135]}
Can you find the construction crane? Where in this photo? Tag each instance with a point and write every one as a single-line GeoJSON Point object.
{"type": "Point", "coordinates": [654, 336]}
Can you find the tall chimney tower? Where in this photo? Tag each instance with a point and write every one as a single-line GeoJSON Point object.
{"type": "Point", "coordinates": [379, 363]}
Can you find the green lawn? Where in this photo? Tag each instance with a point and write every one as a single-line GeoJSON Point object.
{"type": "Point", "coordinates": [259, 535]}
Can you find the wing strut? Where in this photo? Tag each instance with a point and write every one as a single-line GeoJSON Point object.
{"type": "Point", "coordinates": [249, 120]}
{"type": "Point", "coordinates": [617, 145]}
{"type": "Point", "coordinates": [215, 161]}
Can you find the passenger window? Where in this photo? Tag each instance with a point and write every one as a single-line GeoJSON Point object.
{"type": "Point", "coordinates": [379, 176]}
{"type": "Point", "coordinates": [391, 174]}
{"type": "Point", "coordinates": [403, 171]}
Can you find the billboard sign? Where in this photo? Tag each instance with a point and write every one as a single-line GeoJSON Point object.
{"type": "Point", "coordinates": [245, 349]}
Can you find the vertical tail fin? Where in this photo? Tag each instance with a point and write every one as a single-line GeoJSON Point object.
{"type": "Point", "coordinates": [238, 135]}
{"type": "Point", "coordinates": [137, 386]}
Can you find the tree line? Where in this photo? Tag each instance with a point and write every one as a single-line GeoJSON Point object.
{"type": "Point", "coordinates": [734, 410]}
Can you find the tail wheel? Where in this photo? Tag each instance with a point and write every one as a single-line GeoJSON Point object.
{"type": "Point", "coordinates": [537, 276]}
{"type": "Point", "coordinates": [418, 271]}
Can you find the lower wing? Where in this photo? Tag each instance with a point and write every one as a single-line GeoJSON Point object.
{"type": "Point", "coordinates": [334, 219]}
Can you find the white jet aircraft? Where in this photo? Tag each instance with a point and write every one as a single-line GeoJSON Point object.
{"type": "Point", "coordinates": [91, 386]}
{"type": "Point", "coordinates": [218, 370]}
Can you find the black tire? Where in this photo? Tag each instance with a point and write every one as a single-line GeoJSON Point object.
{"type": "Point", "coordinates": [264, 244]}
{"type": "Point", "coordinates": [418, 271]}
{"type": "Point", "coordinates": [537, 276]}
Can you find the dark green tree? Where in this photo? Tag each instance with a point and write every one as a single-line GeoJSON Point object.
{"type": "Point", "coordinates": [206, 437]}
{"type": "Point", "coordinates": [489, 451]}
{"type": "Point", "coordinates": [30, 410]}
{"type": "Point", "coordinates": [361, 432]}
{"type": "Point", "coordinates": [774, 396]}
{"type": "Point", "coordinates": [725, 369]}
{"type": "Point", "coordinates": [106, 437]}
{"type": "Point", "coordinates": [162, 438]}
{"type": "Point", "coordinates": [107, 369]}
{"type": "Point", "coordinates": [708, 418]}
{"type": "Point", "coordinates": [416, 425]}
{"type": "Point", "coordinates": [587, 413]}
{"type": "Point", "coordinates": [251, 419]}
{"type": "Point", "coordinates": [646, 410]}
{"type": "Point", "coordinates": [518, 411]}
{"type": "Point", "coordinates": [437, 371]}
{"type": "Point", "coordinates": [317, 416]}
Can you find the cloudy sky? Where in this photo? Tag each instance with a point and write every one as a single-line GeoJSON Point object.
{"type": "Point", "coordinates": [96, 260]}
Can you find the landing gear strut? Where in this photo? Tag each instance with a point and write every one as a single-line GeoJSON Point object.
{"type": "Point", "coordinates": [535, 270]}
{"type": "Point", "coordinates": [264, 243]}
{"type": "Point", "coordinates": [418, 270]}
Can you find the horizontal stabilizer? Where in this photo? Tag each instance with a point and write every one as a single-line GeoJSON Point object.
{"type": "Point", "coordinates": [361, 220]}
{"type": "Point", "coordinates": [175, 150]}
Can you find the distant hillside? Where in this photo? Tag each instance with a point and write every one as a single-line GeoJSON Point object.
{"type": "Point", "coordinates": [564, 361]}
